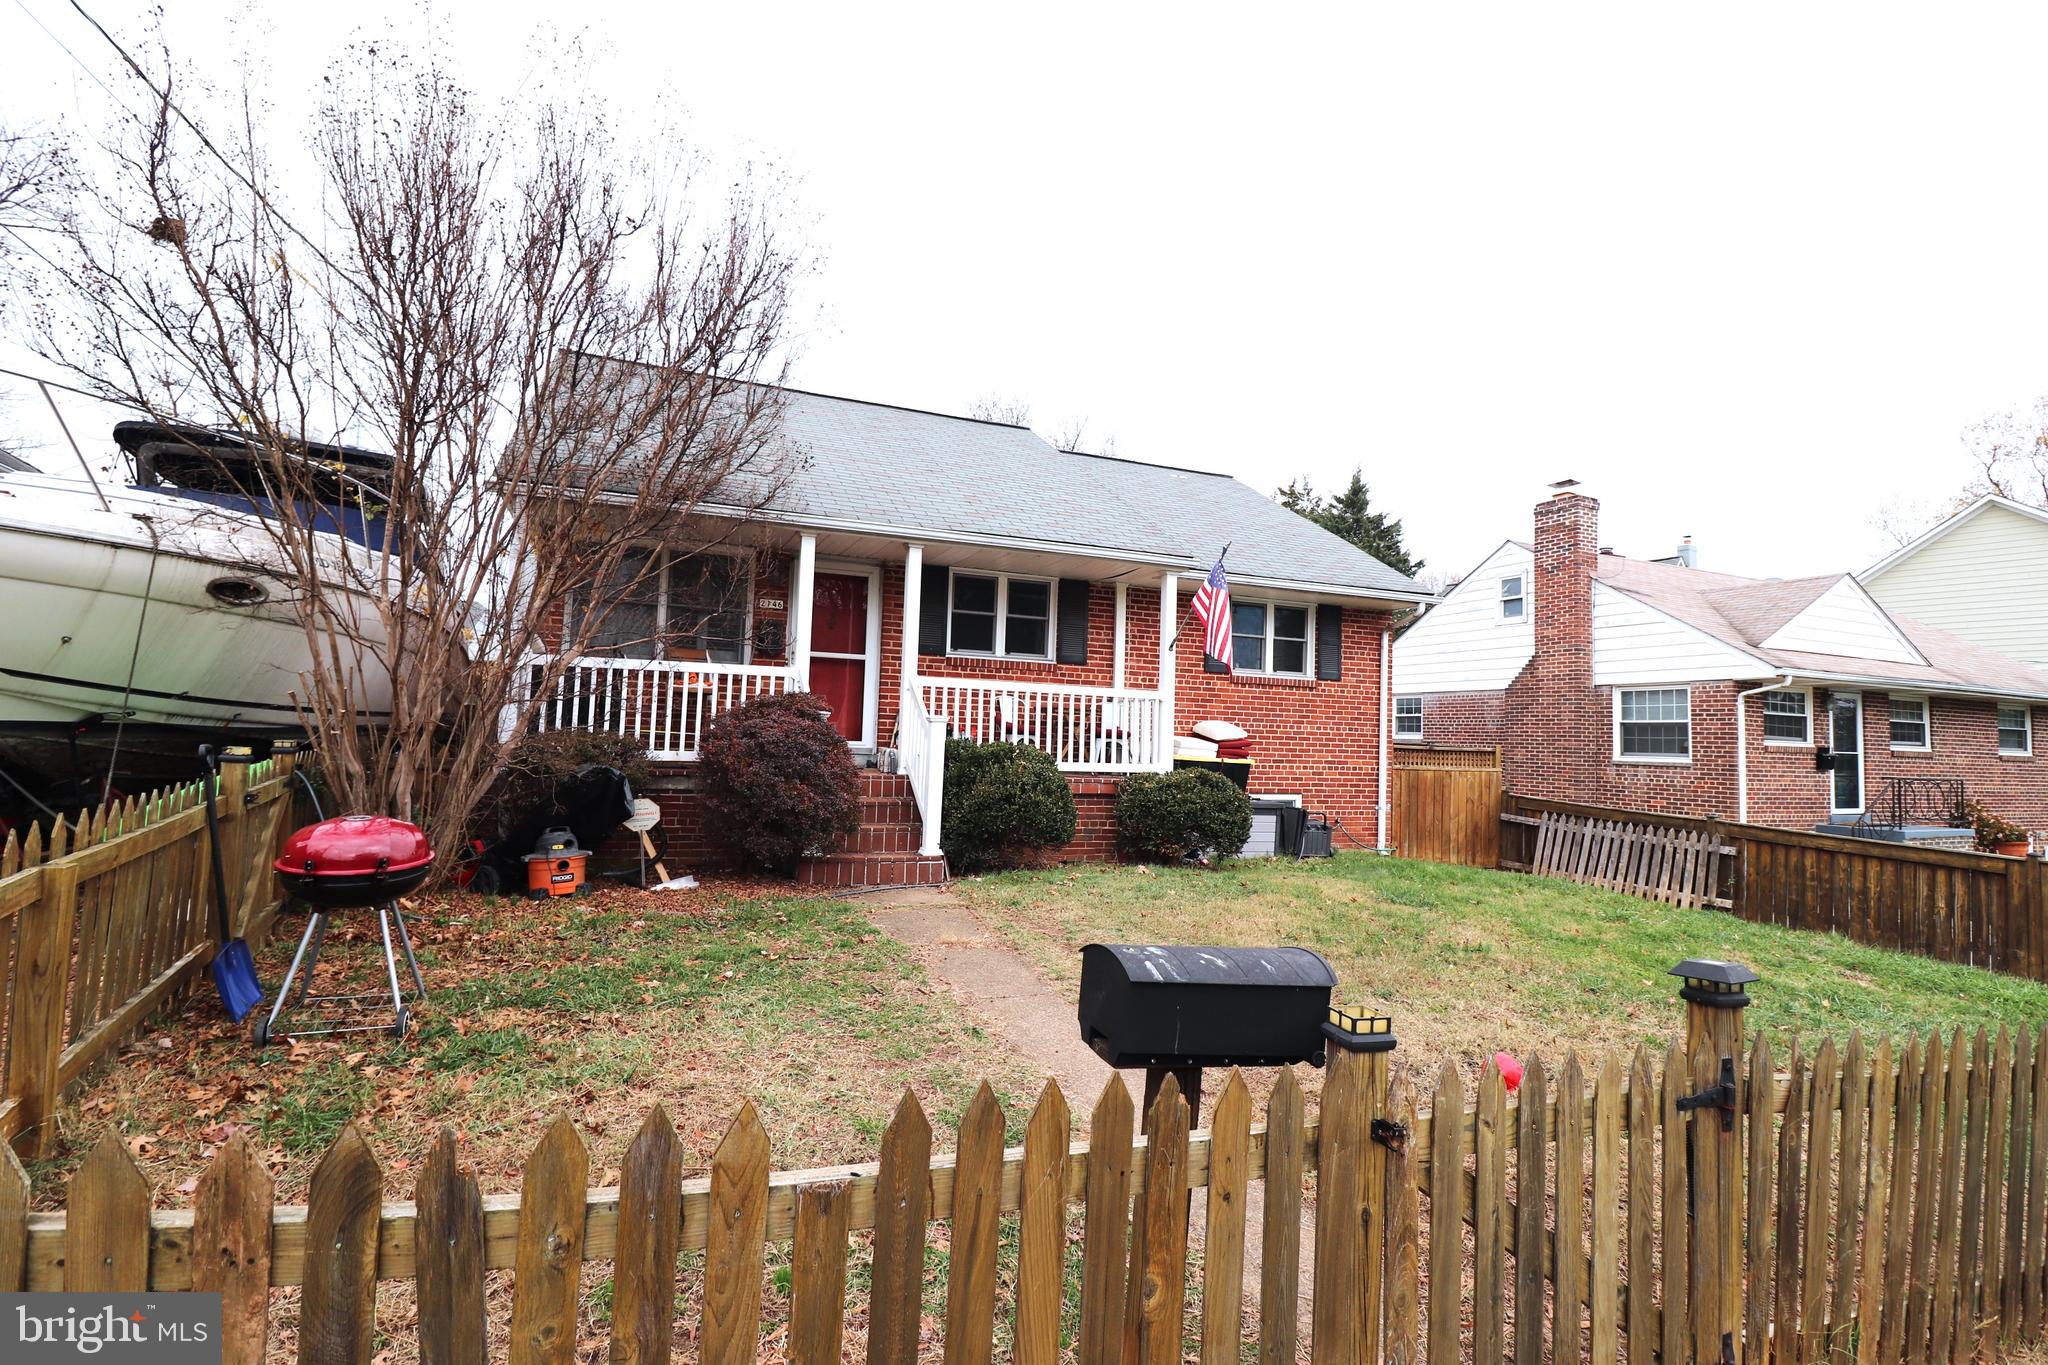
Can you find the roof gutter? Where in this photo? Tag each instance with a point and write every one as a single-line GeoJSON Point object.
{"type": "Point", "coordinates": [1917, 685]}
{"type": "Point", "coordinates": [1742, 743]}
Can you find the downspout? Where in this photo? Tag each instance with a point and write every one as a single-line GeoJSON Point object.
{"type": "Point", "coordinates": [1742, 744]}
{"type": "Point", "coordinates": [1386, 724]}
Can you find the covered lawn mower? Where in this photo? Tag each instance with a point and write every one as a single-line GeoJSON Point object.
{"type": "Point", "coordinates": [590, 804]}
{"type": "Point", "coordinates": [352, 863]}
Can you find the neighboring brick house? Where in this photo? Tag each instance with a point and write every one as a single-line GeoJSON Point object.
{"type": "Point", "coordinates": [927, 574]}
{"type": "Point", "coordinates": [1617, 682]}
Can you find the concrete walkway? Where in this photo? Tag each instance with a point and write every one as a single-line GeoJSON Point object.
{"type": "Point", "coordinates": [998, 985]}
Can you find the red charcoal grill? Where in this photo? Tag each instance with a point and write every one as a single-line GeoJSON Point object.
{"type": "Point", "coordinates": [353, 863]}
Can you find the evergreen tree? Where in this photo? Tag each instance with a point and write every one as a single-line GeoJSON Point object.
{"type": "Point", "coordinates": [1350, 516]}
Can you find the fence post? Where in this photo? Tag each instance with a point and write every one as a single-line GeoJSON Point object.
{"type": "Point", "coordinates": [234, 785]}
{"type": "Point", "coordinates": [1714, 1002]}
{"type": "Point", "coordinates": [1351, 1184]}
{"type": "Point", "coordinates": [42, 972]}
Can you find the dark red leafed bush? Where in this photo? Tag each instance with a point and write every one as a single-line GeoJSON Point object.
{"type": "Point", "coordinates": [779, 782]}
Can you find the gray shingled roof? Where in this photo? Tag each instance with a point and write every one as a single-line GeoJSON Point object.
{"type": "Point", "coordinates": [1744, 612]}
{"type": "Point", "coordinates": [900, 470]}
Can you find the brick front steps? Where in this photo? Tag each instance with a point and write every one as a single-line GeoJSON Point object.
{"type": "Point", "coordinates": [883, 851]}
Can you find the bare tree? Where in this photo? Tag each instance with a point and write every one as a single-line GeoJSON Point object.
{"type": "Point", "coordinates": [565, 351]}
{"type": "Point", "coordinates": [991, 407]}
{"type": "Point", "coordinates": [2008, 455]}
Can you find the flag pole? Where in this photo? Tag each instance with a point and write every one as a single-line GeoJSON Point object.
{"type": "Point", "coordinates": [1181, 629]}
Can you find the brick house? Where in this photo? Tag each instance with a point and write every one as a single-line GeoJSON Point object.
{"type": "Point", "coordinates": [931, 575]}
{"type": "Point", "coordinates": [1657, 685]}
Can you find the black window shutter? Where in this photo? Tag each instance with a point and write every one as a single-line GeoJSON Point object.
{"type": "Point", "coordinates": [1073, 645]}
{"type": "Point", "coordinates": [1329, 643]}
{"type": "Point", "coordinates": [931, 618]}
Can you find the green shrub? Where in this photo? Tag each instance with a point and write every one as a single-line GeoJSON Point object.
{"type": "Point", "coordinates": [778, 782]}
{"type": "Point", "coordinates": [1004, 802]}
{"type": "Point", "coordinates": [1164, 817]}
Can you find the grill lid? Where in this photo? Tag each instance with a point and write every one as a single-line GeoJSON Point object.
{"type": "Point", "coordinates": [353, 845]}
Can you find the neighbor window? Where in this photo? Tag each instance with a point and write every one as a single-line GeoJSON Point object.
{"type": "Point", "coordinates": [1512, 601]}
{"type": "Point", "coordinates": [1269, 637]}
{"type": "Point", "coordinates": [671, 605]}
{"type": "Point", "coordinates": [1653, 724]}
{"type": "Point", "coordinates": [1786, 718]}
{"type": "Point", "coordinates": [2015, 730]}
{"type": "Point", "coordinates": [998, 614]}
{"type": "Point", "coordinates": [1408, 717]}
{"type": "Point", "coordinates": [1909, 723]}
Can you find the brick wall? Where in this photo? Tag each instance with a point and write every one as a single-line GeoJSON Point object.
{"type": "Point", "coordinates": [1477, 719]}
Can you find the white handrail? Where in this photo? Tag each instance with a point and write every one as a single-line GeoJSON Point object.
{"type": "Point", "coordinates": [921, 745]}
{"type": "Point", "coordinates": [1084, 729]}
{"type": "Point", "coordinates": [663, 703]}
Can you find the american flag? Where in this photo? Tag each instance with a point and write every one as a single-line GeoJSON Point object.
{"type": "Point", "coordinates": [1212, 609]}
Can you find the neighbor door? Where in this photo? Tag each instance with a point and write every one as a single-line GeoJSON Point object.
{"type": "Point", "coordinates": [845, 650]}
{"type": "Point", "coordinates": [1845, 738]}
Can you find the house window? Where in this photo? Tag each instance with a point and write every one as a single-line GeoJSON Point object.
{"type": "Point", "coordinates": [1408, 717]}
{"type": "Point", "coordinates": [1269, 637]}
{"type": "Point", "coordinates": [1653, 724]}
{"type": "Point", "coordinates": [1909, 723]}
{"type": "Point", "coordinates": [2015, 730]}
{"type": "Point", "coordinates": [1787, 718]}
{"type": "Point", "coordinates": [671, 606]}
{"type": "Point", "coordinates": [1512, 601]}
{"type": "Point", "coordinates": [999, 614]}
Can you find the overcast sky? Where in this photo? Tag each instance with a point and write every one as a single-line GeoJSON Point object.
{"type": "Point", "coordinates": [1746, 273]}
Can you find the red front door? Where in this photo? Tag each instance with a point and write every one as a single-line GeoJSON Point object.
{"type": "Point", "coordinates": [839, 650]}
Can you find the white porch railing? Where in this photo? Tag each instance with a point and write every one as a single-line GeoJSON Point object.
{"type": "Point", "coordinates": [663, 703]}
{"type": "Point", "coordinates": [1085, 729]}
{"type": "Point", "coordinates": [921, 749]}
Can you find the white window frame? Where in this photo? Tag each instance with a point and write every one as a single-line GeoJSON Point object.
{"type": "Point", "coordinates": [1763, 724]}
{"type": "Point", "coordinates": [1668, 760]}
{"type": "Point", "coordinates": [1399, 732]}
{"type": "Point", "coordinates": [2025, 711]}
{"type": "Point", "coordinates": [667, 555]}
{"type": "Point", "coordinates": [1926, 725]}
{"type": "Point", "coordinates": [1308, 652]}
{"type": "Point", "coordinates": [1520, 596]}
{"type": "Point", "coordinates": [1003, 581]}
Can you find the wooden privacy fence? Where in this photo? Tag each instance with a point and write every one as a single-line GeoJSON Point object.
{"type": "Point", "coordinates": [1446, 805]}
{"type": "Point", "coordinates": [106, 916]}
{"type": "Point", "coordinates": [1679, 867]}
{"type": "Point", "coordinates": [1975, 908]}
{"type": "Point", "coordinates": [1880, 1206]}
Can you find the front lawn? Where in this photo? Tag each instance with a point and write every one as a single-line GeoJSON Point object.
{"type": "Point", "coordinates": [598, 1008]}
{"type": "Point", "coordinates": [1468, 961]}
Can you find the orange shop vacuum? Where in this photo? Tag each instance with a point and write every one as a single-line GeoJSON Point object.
{"type": "Point", "coordinates": [557, 866]}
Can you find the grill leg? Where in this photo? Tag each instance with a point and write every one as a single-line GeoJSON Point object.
{"type": "Point", "coordinates": [315, 929]}
{"type": "Point", "coordinates": [405, 938]}
{"type": "Point", "coordinates": [391, 968]}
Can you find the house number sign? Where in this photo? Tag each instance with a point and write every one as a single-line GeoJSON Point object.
{"type": "Point", "coordinates": [770, 604]}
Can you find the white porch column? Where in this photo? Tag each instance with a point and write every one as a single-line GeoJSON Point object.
{"type": "Point", "coordinates": [913, 609]}
{"type": "Point", "coordinates": [801, 593]}
{"type": "Point", "coordinates": [1116, 677]}
{"type": "Point", "coordinates": [1169, 614]}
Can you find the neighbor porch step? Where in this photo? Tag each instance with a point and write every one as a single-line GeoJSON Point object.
{"type": "Point", "coordinates": [893, 836]}
{"type": "Point", "coordinates": [847, 871]}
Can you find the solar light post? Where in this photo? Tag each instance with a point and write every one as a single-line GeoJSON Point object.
{"type": "Point", "coordinates": [1715, 998]}
{"type": "Point", "coordinates": [1351, 1174]}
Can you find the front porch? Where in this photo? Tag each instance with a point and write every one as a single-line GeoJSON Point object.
{"type": "Point", "coordinates": [1003, 653]}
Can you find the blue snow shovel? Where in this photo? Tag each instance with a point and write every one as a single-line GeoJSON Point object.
{"type": "Point", "coordinates": [234, 966]}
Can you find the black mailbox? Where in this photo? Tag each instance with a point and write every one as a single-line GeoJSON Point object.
{"type": "Point", "coordinates": [1151, 1006]}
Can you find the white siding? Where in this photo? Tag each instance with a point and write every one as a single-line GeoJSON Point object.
{"type": "Point", "coordinates": [1462, 644]}
{"type": "Point", "coordinates": [1636, 643]}
{"type": "Point", "coordinates": [1985, 580]}
{"type": "Point", "coordinates": [1843, 620]}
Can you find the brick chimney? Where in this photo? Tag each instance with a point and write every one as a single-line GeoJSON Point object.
{"type": "Point", "coordinates": [1567, 551]}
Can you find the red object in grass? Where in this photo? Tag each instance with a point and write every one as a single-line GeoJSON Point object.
{"type": "Point", "coordinates": [1510, 1071]}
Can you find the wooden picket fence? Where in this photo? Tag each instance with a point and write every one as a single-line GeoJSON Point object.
{"type": "Point", "coordinates": [106, 917]}
{"type": "Point", "coordinates": [1676, 866]}
{"type": "Point", "coordinates": [1878, 1206]}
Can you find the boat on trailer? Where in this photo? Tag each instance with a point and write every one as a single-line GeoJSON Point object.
{"type": "Point", "coordinates": [147, 618]}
